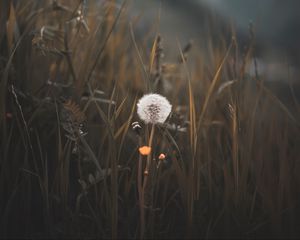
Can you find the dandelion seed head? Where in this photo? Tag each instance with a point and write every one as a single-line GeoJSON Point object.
{"type": "Point", "coordinates": [153, 108]}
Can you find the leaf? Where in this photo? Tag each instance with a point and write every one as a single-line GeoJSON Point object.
{"type": "Point", "coordinates": [225, 85]}
{"type": "Point", "coordinates": [153, 53]}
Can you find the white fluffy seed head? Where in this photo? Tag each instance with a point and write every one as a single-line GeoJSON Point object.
{"type": "Point", "coordinates": [153, 108]}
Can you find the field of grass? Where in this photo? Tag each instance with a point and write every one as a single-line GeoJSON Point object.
{"type": "Point", "coordinates": [71, 75]}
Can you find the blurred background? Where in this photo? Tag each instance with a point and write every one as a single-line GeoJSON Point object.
{"type": "Point", "coordinates": [275, 24]}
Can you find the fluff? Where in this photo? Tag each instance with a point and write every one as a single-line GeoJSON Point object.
{"type": "Point", "coordinates": [153, 108]}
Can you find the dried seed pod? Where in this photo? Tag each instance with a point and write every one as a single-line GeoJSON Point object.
{"type": "Point", "coordinates": [77, 115]}
{"type": "Point", "coordinates": [72, 119]}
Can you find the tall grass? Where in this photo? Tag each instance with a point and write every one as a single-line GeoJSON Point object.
{"type": "Point", "coordinates": [71, 74]}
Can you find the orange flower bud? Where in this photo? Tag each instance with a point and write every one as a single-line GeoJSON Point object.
{"type": "Point", "coordinates": [145, 150]}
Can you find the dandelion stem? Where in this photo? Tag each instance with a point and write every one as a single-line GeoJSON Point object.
{"type": "Point", "coordinates": [150, 145]}
{"type": "Point", "coordinates": [142, 202]}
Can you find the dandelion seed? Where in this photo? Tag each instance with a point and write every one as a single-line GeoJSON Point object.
{"type": "Point", "coordinates": [153, 108]}
{"type": "Point", "coordinates": [145, 150]}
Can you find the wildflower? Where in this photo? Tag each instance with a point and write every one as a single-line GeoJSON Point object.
{"type": "Point", "coordinates": [145, 150]}
{"type": "Point", "coordinates": [162, 157]}
{"type": "Point", "coordinates": [153, 108]}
